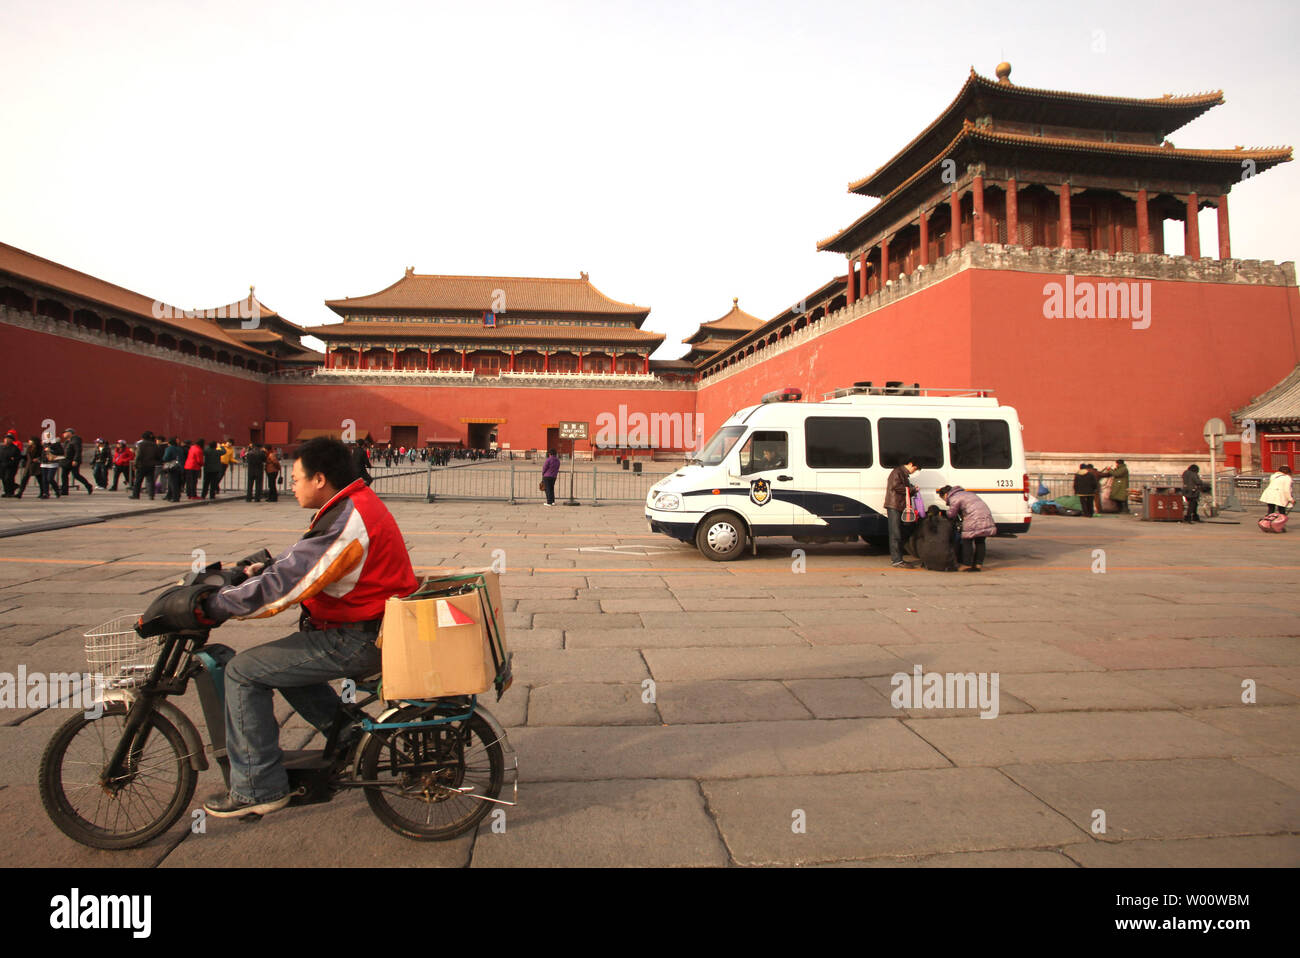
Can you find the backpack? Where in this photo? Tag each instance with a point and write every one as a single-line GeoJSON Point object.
{"type": "Point", "coordinates": [1273, 522]}
{"type": "Point", "coordinates": [933, 541]}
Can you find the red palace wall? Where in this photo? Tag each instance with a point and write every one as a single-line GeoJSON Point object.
{"type": "Point", "coordinates": [438, 409]}
{"type": "Point", "coordinates": [1086, 385]}
{"type": "Point", "coordinates": [115, 393]}
{"type": "Point", "coordinates": [924, 338]}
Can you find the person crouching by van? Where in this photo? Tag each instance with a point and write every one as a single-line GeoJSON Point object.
{"type": "Point", "coordinates": [550, 471]}
{"type": "Point", "coordinates": [976, 522]}
{"type": "Point", "coordinates": [898, 493]}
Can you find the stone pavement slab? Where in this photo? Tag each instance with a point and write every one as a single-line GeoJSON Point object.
{"type": "Point", "coordinates": [1172, 798]}
{"type": "Point", "coordinates": [841, 698]}
{"type": "Point", "coordinates": [720, 751]}
{"type": "Point", "coordinates": [669, 665]}
{"type": "Point", "coordinates": [701, 703]}
{"type": "Point", "coordinates": [604, 824]}
{"type": "Point", "coordinates": [678, 638]}
{"type": "Point", "coordinates": [1256, 851]}
{"type": "Point", "coordinates": [998, 859]}
{"type": "Point", "coordinates": [1268, 729]}
{"type": "Point", "coordinates": [886, 814]}
{"type": "Point", "coordinates": [1080, 737]}
{"type": "Point", "coordinates": [589, 703]}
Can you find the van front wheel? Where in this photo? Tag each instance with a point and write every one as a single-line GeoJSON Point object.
{"type": "Point", "coordinates": [721, 537]}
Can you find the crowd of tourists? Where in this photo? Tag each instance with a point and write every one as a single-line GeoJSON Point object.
{"type": "Point", "coordinates": [152, 466]}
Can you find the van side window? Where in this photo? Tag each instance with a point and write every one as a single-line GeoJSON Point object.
{"type": "Point", "coordinates": [837, 442]}
{"type": "Point", "coordinates": [981, 444]}
{"type": "Point", "coordinates": [763, 451]}
{"type": "Point", "coordinates": [920, 440]}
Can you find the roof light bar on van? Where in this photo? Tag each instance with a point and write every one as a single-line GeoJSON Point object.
{"type": "Point", "coordinates": [897, 388]}
{"type": "Point", "coordinates": [788, 394]}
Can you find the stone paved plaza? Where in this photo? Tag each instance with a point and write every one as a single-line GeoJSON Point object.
{"type": "Point", "coordinates": [1120, 691]}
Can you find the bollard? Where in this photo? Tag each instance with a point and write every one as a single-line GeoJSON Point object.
{"type": "Point", "coordinates": [636, 467]}
{"type": "Point", "coordinates": [625, 464]}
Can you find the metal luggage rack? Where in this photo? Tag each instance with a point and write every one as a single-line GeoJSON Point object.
{"type": "Point", "coordinates": [893, 388]}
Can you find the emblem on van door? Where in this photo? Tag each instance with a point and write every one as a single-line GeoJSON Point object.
{"type": "Point", "coordinates": [760, 492]}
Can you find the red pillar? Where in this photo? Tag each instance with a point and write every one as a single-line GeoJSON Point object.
{"type": "Point", "coordinates": [954, 230]}
{"type": "Point", "coordinates": [395, 359]}
{"type": "Point", "coordinates": [327, 358]}
{"type": "Point", "coordinates": [1225, 245]}
{"type": "Point", "coordinates": [1013, 212]}
{"type": "Point", "coordinates": [512, 360]}
{"type": "Point", "coordinates": [851, 284]}
{"type": "Point", "coordinates": [428, 359]}
{"type": "Point", "coordinates": [862, 276]}
{"type": "Point", "coordinates": [646, 369]}
{"type": "Point", "coordinates": [977, 197]}
{"type": "Point", "coordinates": [581, 356]}
{"type": "Point", "coordinates": [925, 238]}
{"type": "Point", "coordinates": [464, 361]}
{"type": "Point", "coordinates": [1144, 223]}
{"type": "Point", "coordinates": [1192, 229]}
{"type": "Point", "coordinates": [884, 262]}
{"type": "Point", "coordinates": [1066, 228]}
{"type": "Point", "coordinates": [546, 363]}
{"type": "Point", "coordinates": [361, 361]}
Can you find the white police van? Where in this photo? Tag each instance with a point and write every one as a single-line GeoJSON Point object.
{"type": "Point", "coordinates": [816, 471]}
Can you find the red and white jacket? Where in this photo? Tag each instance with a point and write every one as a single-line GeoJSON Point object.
{"type": "Point", "coordinates": [350, 562]}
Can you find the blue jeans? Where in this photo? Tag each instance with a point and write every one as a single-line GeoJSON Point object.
{"type": "Point", "coordinates": [895, 534]}
{"type": "Point", "coordinates": [299, 665]}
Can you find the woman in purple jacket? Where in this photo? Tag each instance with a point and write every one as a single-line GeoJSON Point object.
{"type": "Point", "coordinates": [550, 469]}
{"type": "Point", "coordinates": [976, 524]}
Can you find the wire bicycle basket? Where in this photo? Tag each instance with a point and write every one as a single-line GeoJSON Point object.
{"type": "Point", "coordinates": [115, 651]}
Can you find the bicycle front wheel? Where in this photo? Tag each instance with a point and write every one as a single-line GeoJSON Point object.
{"type": "Point", "coordinates": [156, 789]}
{"type": "Point", "coordinates": [430, 776]}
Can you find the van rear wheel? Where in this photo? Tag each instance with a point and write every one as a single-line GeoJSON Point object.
{"type": "Point", "coordinates": [721, 537]}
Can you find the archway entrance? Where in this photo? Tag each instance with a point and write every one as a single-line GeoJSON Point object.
{"type": "Point", "coordinates": [480, 434]}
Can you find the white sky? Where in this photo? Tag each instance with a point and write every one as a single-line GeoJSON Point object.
{"type": "Point", "coordinates": [681, 153]}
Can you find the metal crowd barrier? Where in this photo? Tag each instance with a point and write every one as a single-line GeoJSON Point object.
{"type": "Point", "coordinates": [517, 481]}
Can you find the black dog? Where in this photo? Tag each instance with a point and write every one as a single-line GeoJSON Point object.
{"type": "Point", "coordinates": [932, 542]}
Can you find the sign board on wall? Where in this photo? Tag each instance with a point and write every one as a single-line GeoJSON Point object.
{"type": "Point", "coordinates": [573, 430]}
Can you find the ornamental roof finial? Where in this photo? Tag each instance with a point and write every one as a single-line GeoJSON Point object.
{"type": "Point", "coordinates": [1003, 72]}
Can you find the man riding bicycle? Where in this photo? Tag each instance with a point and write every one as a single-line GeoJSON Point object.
{"type": "Point", "coordinates": [350, 562]}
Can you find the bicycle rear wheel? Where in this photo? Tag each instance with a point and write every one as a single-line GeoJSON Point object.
{"type": "Point", "coordinates": [432, 774]}
{"type": "Point", "coordinates": [157, 788]}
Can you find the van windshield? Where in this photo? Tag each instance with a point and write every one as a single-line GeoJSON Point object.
{"type": "Point", "coordinates": [716, 449]}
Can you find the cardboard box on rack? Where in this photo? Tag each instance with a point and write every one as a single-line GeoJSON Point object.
{"type": "Point", "coordinates": [439, 640]}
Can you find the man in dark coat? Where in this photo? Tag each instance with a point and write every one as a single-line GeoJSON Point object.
{"type": "Point", "coordinates": [72, 464]}
{"type": "Point", "coordinates": [1085, 487]}
{"type": "Point", "coordinates": [11, 454]}
{"type": "Point", "coordinates": [146, 461]}
{"type": "Point", "coordinates": [255, 465]}
{"type": "Point", "coordinates": [361, 462]}
{"type": "Point", "coordinates": [1192, 489]}
{"type": "Point", "coordinates": [898, 493]}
